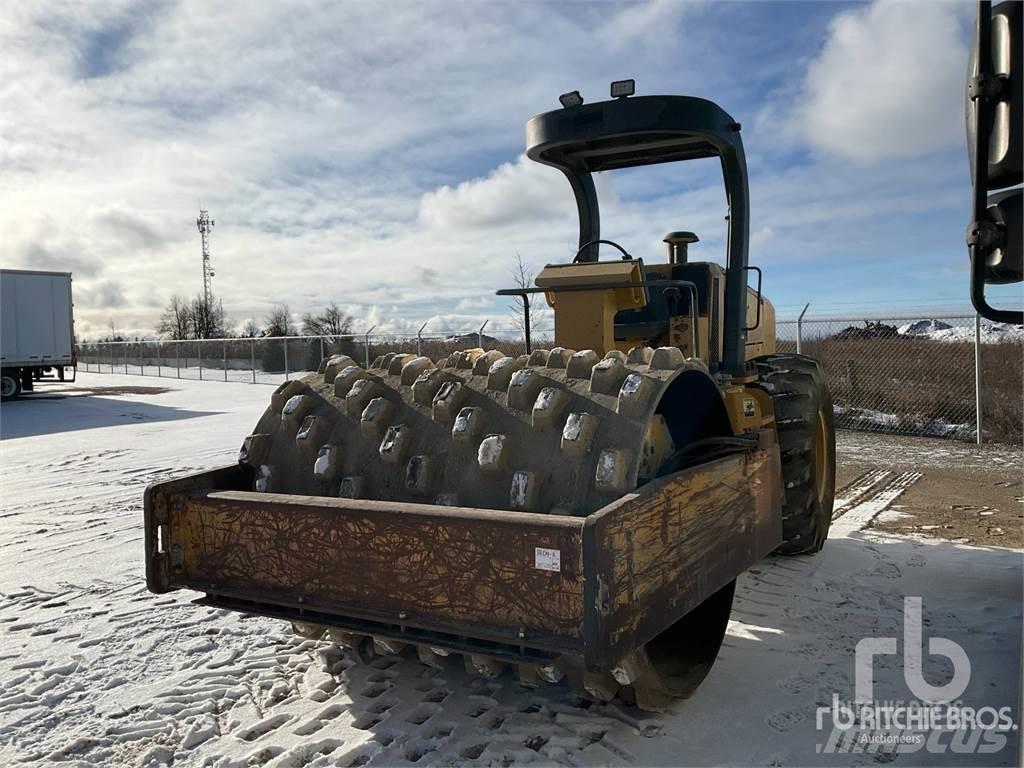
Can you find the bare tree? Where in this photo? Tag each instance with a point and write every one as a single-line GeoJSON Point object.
{"type": "Point", "coordinates": [331, 322]}
{"type": "Point", "coordinates": [115, 335]}
{"type": "Point", "coordinates": [176, 320]}
{"type": "Point", "coordinates": [523, 278]}
{"type": "Point", "coordinates": [250, 330]}
{"type": "Point", "coordinates": [207, 318]}
{"type": "Point", "coordinates": [278, 321]}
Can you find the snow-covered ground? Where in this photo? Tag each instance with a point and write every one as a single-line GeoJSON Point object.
{"type": "Point", "coordinates": [94, 670]}
{"type": "Point", "coordinates": [871, 420]}
{"type": "Point", "coordinates": [939, 330]}
{"type": "Point", "coordinates": [236, 372]}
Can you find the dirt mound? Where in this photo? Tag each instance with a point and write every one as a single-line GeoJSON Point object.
{"type": "Point", "coordinates": [871, 330]}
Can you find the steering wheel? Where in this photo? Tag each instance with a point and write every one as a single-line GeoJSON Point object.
{"type": "Point", "coordinates": [625, 255]}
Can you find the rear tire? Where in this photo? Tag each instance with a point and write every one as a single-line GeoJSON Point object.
{"type": "Point", "coordinates": [807, 443]}
{"type": "Point", "coordinates": [10, 384]}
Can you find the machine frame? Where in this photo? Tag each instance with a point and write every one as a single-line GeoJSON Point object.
{"type": "Point", "coordinates": [644, 130]}
{"type": "Point", "coordinates": [624, 573]}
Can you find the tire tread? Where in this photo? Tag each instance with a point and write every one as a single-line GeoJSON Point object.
{"type": "Point", "coordinates": [798, 390]}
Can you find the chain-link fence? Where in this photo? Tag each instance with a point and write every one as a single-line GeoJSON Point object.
{"type": "Point", "coordinates": [267, 360]}
{"type": "Point", "coordinates": [898, 375]}
{"type": "Point", "coordinates": [918, 377]}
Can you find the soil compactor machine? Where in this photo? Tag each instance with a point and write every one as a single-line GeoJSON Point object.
{"type": "Point", "coordinates": [578, 513]}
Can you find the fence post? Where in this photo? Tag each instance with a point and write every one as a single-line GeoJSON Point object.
{"type": "Point", "coordinates": [977, 378]}
{"type": "Point", "coordinates": [199, 353]}
{"type": "Point", "coordinates": [177, 357]}
{"type": "Point", "coordinates": [159, 360]}
{"type": "Point", "coordinates": [284, 341]}
{"type": "Point", "coordinates": [126, 358]}
{"type": "Point", "coordinates": [480, 334]}
{"type": "Point", "coordinates": [252, 358]}
{"type": "Point", "coordinates": [321, 347]}
{"type": "Point", "coordinates": [224, 356]}
{"type": "Point", "coordinates": [800, 330]}
{"type": "Point", "coordinates": [419, 340]}
{"type": "Point", "coordinates": [142, 367]}
{"type": "Point", "coordinates": [366, 345]}
{"type": "Point", "coordinates": [526, 322]}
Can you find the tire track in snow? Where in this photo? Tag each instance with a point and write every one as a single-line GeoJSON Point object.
{"type": "Point", "coordinates": [862, 513]}
{"type": "Point", "coordinates": [855, 490]}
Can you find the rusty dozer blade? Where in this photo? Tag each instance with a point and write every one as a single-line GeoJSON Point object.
{"type": "Point", "coordinates": [632, 599]}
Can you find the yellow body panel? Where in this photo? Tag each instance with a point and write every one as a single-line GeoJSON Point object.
{"type": "Point", "coordinates": [586, 319]}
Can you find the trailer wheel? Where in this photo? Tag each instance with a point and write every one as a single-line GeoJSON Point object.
{"type": "Point", "coordinates": [807, 443]}
{"type": "Point", "coordinates": [10, 384]}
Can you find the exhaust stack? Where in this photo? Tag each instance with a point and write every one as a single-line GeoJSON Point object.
{"type": "Point", "coordinates": [678, 242]}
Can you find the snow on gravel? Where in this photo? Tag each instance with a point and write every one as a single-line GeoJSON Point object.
{"type": "Point", "coordinates": [925, 453]}
{"type": "Point", "coordinates": [94, 670]}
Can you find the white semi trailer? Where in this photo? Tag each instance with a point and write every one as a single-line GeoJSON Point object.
{"type": "Point", "coordinates": [37, 333]}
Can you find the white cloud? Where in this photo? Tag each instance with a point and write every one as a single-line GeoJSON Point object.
{"type": "Point", "coordinates": [108, 294]}
{"type": "Point", "coordinates": [472, 302]}
{"type": "Point", "coordinates": [638, 22]}
{"type": "Point", "coordinates": [350, 154]}
{"type": "Point", "coordinates": [327, 142]}
{"type": "Point", "coordinates": [889, 81]}
{"type": "Point", "coordinates": [508, 196]}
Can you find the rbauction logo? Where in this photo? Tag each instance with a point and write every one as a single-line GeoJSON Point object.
{"type": "Point", "coordinates": [932, 718]}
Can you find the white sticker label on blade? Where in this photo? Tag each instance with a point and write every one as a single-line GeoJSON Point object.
{"type": "Point", "coordinates": [547, 559]}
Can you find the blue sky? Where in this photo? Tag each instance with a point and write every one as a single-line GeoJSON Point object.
{"type": "Point", "coordinates": [371, 153]}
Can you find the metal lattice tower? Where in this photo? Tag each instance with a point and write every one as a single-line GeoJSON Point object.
{"type": "Point", "coordinates": [205, 225]}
